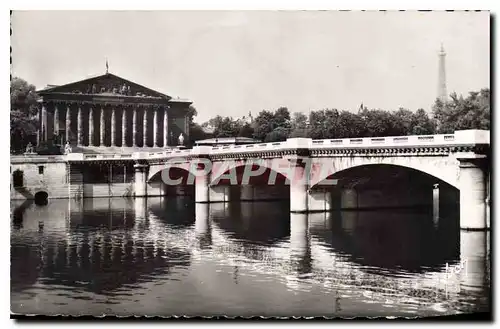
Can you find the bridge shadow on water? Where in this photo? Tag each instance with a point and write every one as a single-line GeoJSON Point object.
{"type": "Point", "coordinates": [407, 239]}
{"type": "Point", "coordinates": [393, 239]}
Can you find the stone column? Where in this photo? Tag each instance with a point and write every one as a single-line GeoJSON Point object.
{"type": "Point", "coordinates": [44, 122]}
{"type": "Point", "coordinates": [155, 127]}
{"type": "Point", "coordinates": [473, 267]}
{"type": "Point", "coordinates": [202, 181]}
{"type": "Point", "coordinates": [472, 184]}
{"type": "Point", "coordinates": [68, 123]}
{"type": "Point", "coordinates": [145, 128]}
{"type": "Point", "coordinates": [349, 199]}
{"type": "Point", "coordinates": [140, 182]}
{"type": "Point", "coordinates": [39, 136]}
{"type": "Point", "coordinates": [79, 128]}
{"type": "Point", "coordinates": [91, 126]}
{"type": "Point", "coordinates": [320, 199]}
{"type": "Point", "coordinates": [435, 205]}
{"type": "Point", "coordinates": [299, 183]}
{"type": "Point", "coordinates": [101, 135]}
{"type": "Point", "coordinates": [219, 193]}
{"type": "Point", "coordinates": [134, 127]}
{"type": "Point", "coordinates": [56, 120]}
{"type": "Point", "coordinates": [165, 128]}
{"type": "Point", "coordinates": [113, 127]}
{"type": "Point", "coordinates": [186, 130]}
{"type": "Point", "coordinates": [246, 193]}
{"type": "Point", "coordinates": [124, 127]}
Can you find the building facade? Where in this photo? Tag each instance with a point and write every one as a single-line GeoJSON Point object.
{"type": "Point", "coordinates": [109, 111]}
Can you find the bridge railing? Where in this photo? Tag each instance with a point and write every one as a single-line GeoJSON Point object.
{"type": "Point", "coordinates": [248, 147]}
{"type": "Point", "coordinates": [417, 140]}
{"type": "Point", "coordinates": [463, 137]}
{"type": "Point", "coordinates": [459, 137]}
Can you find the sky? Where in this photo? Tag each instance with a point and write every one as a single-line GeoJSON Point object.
{"type": "Point", "coordinates": [232, 62]}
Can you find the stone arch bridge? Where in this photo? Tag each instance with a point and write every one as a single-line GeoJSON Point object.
{"type": "Point", "coordinates": [315, 175]}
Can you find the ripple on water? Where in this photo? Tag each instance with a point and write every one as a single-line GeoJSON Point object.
{"type": "Point", "coordinates": [127, 264]}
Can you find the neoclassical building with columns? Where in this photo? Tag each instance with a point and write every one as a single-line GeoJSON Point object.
{"type": "Point", "coordinates": [109, 111]}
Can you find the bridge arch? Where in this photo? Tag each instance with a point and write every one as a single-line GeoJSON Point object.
{"type": "Point", "coordinates": [381, 186]}
{"type": "Point", "coordinates": [441, 169]}
{"type": "Point", "coordinates": [171, 180]}
{"type": "Point", "coordinates": [252, 180]}
{"type": "Point", "coordinates": [248, 172]}
{"type": "Point", "coordinates": [174, 169]}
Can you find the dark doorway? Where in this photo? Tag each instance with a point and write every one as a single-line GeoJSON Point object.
{"type": "Point", "coordinates": [18, 178]}
{"type": "Point", "coordinates": [41, 198]}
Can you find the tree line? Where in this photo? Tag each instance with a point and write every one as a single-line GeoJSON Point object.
{"type": "Point", "coordinates": [458, 113]}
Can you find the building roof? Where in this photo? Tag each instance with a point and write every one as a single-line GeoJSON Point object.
{"type": "Point", "coordinates": [107, 84]}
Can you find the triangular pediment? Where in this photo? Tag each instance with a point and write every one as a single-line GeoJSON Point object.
{"type": "Point", "coordinates": [107, 84]}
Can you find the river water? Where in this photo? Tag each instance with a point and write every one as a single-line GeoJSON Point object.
{"type": "Point", "coordinates": [174, 257]}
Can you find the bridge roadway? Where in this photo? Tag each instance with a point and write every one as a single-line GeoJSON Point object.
{"type": "Point", "coordinates": [292, 260]}
{"type": "Point", "coordinates": [459, 161]}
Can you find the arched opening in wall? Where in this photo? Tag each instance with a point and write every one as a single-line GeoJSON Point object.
{"type": "Point", "coordinates": [385, 217]}
{"type": "Point", "coordinates": [255, 208]}
{"type": "Point", "coordinates": [41, 198]}
{"type": "Point", "coordinates": [172, 182]}
{"type": "Point", "coordinates": [251, 182]}
{"type": "Point", "coordinates": [380, 186]}
{"type": "Point", "coordinates": [18, 178]}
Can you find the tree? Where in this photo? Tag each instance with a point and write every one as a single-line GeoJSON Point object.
{"type": "Point", "coordinates": [23, 111]}
{"type": "Point", "coordinates": [350, 125]}
{"type": "Point", "coordinates": [378, 123]}
{"type": "Point", "coordinates": [317, 124]}
{"type": "Point", "coordinates": [279, 134]}
{"type": "Point", "coordinates": [282, 118]}
{"type": "Point", "coordinates": [403, 122]}
{"type": "Point", "coordinates": [461, 113]}
{"type": "Point", "coordinates": [263, 124]}
{"type": "Point", "coordinates": [196, 132]}
{"type": "Point", "coordinates": [245, 130]}
{"type": "Point", "coordinates": [298, 125]}
{"type": "Point", "coordinates": [422, 124]}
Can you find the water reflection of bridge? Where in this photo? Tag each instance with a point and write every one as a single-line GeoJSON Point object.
{"type": "Point", "coordinates": [120, 242]}
{"type": "Point", "coordinates": [307, 252]}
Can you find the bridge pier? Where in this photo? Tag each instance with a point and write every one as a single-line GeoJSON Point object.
{"type": "Point", "coordinates": [320, 200]}
{"type": "Point", "coordinates": [299, 185]}
{"type": "Point", "coordinates": [202, 188]}
{"type": "Point", "coordinates": [348, 199]}
{"type": "Point", "coordinates": [473, 260]}
{"type": "Point", "coordinates": [140, 180]}
{"type": "Point", "coordinates": [219, 193]}
{"type": "Point", "coordinates": [473, 196]}
{"type": "Point", "coordinates": [246, 193]}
